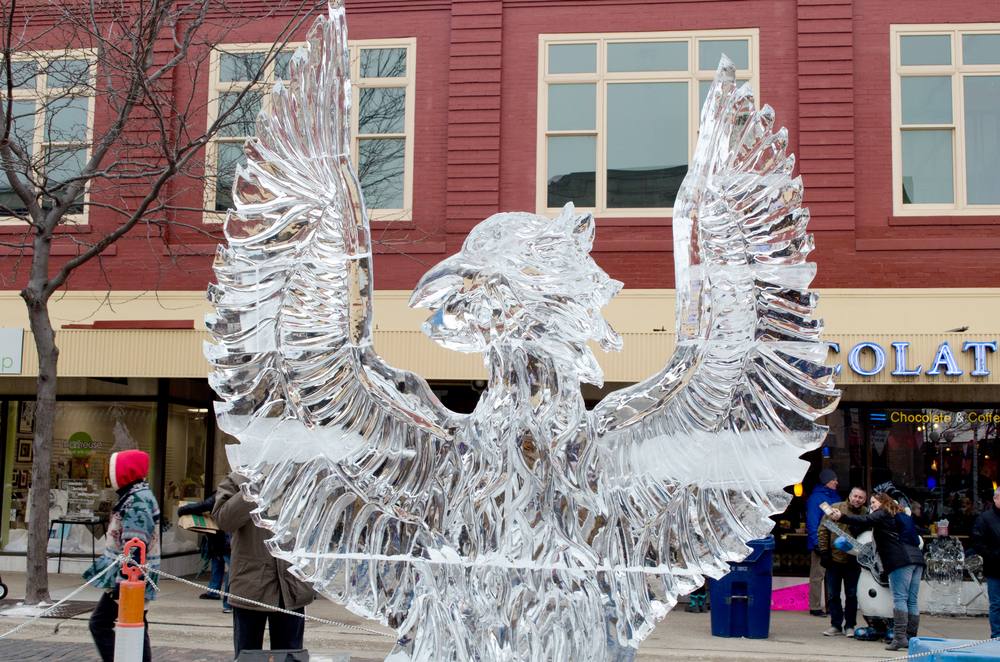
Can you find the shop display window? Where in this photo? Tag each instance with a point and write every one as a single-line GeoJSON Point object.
{"type": "Point", "coordinates": [843, 451]}
{"type": "Point", "coordinates": [88, 432]}
{"type": "Point", "coordinates": [187, 441]}
{"type": "Point", "coordinates": [85, 436]}
{"type": "Point", "coordinates": [945, 459]}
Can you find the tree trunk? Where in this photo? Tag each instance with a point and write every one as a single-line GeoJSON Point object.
{"type": "Point", "coordinates": [37, 580]}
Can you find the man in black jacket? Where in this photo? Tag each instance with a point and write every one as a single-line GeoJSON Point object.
{"type": "Point", "coordinates": [218, 551]}
{"type": "Point", "coordinates": [985, 539]}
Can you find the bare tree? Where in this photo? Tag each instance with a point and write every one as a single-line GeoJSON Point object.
{"type": "Point", "coordinates": [103, 118]}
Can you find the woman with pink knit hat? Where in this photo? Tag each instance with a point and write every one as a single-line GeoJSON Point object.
{"type": "Point", "coordinates": [135, 515]}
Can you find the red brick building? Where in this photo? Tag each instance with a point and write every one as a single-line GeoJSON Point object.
{"type": "Point", "coordinates": [892, 110]}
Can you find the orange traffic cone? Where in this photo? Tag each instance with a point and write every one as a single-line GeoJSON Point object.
{"type": "Point", "coordinates": [130, 631]}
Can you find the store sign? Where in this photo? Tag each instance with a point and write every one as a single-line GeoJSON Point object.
{"type": "Point", "coordinates": [944, 359]}
{"type": "Point", "coordinates": [80, 444]}
{"type": "Point", "coordinates": [11, 346]}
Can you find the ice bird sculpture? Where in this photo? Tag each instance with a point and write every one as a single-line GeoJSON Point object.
{"type": "Point", "coordinates": [531, 529]}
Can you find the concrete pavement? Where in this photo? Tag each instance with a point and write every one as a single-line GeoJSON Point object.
{"type": "Point", "coordinates": [186, 629]}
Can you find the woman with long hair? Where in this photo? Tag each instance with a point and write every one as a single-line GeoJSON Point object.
{"type": "Point", "coordinates": [897, 541]}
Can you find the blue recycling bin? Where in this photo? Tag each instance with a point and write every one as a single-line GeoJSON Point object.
{"type": "Point", "coordinates": [741, 601]}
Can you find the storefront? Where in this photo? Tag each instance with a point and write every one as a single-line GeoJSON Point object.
{"type": "Point", "coordinates": [167, 418]}
{"type": "Point", "coordinates": [920, 411]}
{"type": "Point", "coordinates": [132, 380]}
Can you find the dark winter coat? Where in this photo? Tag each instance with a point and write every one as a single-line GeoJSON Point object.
{"type": "Point", "coordinates": [888, 531]}
{"type": "Point", "coordinates": [985, 539]}
{"type": "Point", "coordinates": [814, 514]}
{"type": "Point", "coordinates": [253, 572]}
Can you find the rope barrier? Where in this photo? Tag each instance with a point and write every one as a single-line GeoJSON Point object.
{"type": "Point", "coordinates": [42, 613]}
{"type": "Point", "coordinates": [146, 570]}
{"type": "Point", "coordinates": [267, 607]}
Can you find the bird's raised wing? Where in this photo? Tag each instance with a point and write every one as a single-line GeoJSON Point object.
{"type": "Point", "coordinates": [703, 448]}
{"type": "Point", "coordinates": [328, 432]}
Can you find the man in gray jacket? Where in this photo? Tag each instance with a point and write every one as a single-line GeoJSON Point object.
{"type": "Point", "coordinates": [256, 575]}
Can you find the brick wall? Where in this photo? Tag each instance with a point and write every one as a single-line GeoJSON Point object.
{"type": "Point", "coordinates": [824, 67]}
{"type": "Point", "coordinates": [826, 111]}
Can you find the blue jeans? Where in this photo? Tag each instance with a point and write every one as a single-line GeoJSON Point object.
{"type": "Point", "coordinates": [218, 575]}
{"type": "Point", "coordinates": [905, 586]}
{"type": "Point", "coordinates": [993, 588]}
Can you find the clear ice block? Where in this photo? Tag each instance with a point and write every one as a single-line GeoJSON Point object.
{"type": "Point", "coordinates": [531, 529]}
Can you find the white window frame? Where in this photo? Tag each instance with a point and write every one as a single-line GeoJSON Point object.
{"type": "Point", "coordinates": [602, 77]}
{"type": "Point", "coordinates": [957, 71]}
{"type": "Point", "coordinates": [40, 95]}
{"type": "Point", "coordinates": [218, 88]}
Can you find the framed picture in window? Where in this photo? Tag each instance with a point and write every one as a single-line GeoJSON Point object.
{"type": "Point", "coordinates": [24, 453]}
{"type": "Point", "coordinates": [26, 417]}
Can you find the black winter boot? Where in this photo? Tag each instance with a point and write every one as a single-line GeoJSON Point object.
{"type": "Point", "coordinates": [900, 620]}
{"type": "Point", "coordinates": [912, 623]}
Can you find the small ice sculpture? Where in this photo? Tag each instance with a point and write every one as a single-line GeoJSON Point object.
{"type": "Point", "coordinates": [531, 529]}
{"type": "Point", "coordinates": [946, 564]}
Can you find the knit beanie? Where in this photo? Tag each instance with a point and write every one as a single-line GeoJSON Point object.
{"type": "Point", "coordinates": [826, 476]}
{"type": "Point", "coordinates": [128, 467]}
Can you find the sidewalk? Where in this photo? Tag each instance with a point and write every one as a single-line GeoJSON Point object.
{"type": "Point", "coordinates": [186, 629]}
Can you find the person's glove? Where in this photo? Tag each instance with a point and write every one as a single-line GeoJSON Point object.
{"type": "Point", "coordinates": [825, 559]}
{"type": "Point", "coordinates": [187, 510]}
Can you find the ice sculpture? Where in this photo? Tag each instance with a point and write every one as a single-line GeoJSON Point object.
{"type": "Point", "coordinates": [946, 565]}
{"type": "Point", "coordinates": [531, 529]}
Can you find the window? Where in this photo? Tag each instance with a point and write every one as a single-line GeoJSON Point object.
{"type": "Point", "coordinates": [382, 118]}
{"type": "Point", "coordinates": [53, 112]}
{"type": "Point", "coordinates": [618, 115]}
{"type": "Point", "coordinates": [946, 119]}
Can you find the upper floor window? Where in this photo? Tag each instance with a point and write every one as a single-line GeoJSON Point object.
{"type": "Point", "coordinates": [618, 114]}
{"type": "Point", "coordinates": [382, 120]}
{"type": "Point", "coordinates": [946, 119]}
{"type": "Point", "coordinates": [52, 115]}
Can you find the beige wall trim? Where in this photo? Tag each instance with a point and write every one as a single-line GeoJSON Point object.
{"type": "Point", "coordinates": [162, 353]}
{"type": "Point", "coordinates": [124, 353]}
{"type": "Point", "coordinates": [917, 316]}
{"type": "Point", "coordinates": [926, 310]}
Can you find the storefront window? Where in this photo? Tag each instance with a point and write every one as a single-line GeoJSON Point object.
{"type": "Point", "coordinates": [843, 451]}
{"type": "Point", "coordinates": [184, 471]}
{"type": "Point", "coordinates": [86, 434]}
{"type": "Point", "coordinates": [945, 459]}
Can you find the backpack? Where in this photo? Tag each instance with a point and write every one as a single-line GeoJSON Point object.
{"type": "Point", "coordinates": [907, 529]}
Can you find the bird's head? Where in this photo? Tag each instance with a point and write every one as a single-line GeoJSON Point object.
{"type": "Point", "coordinates": [522, 278]}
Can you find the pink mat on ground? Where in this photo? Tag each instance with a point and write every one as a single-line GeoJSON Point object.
{"type": "Point", "coordinates": [790, 598]}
